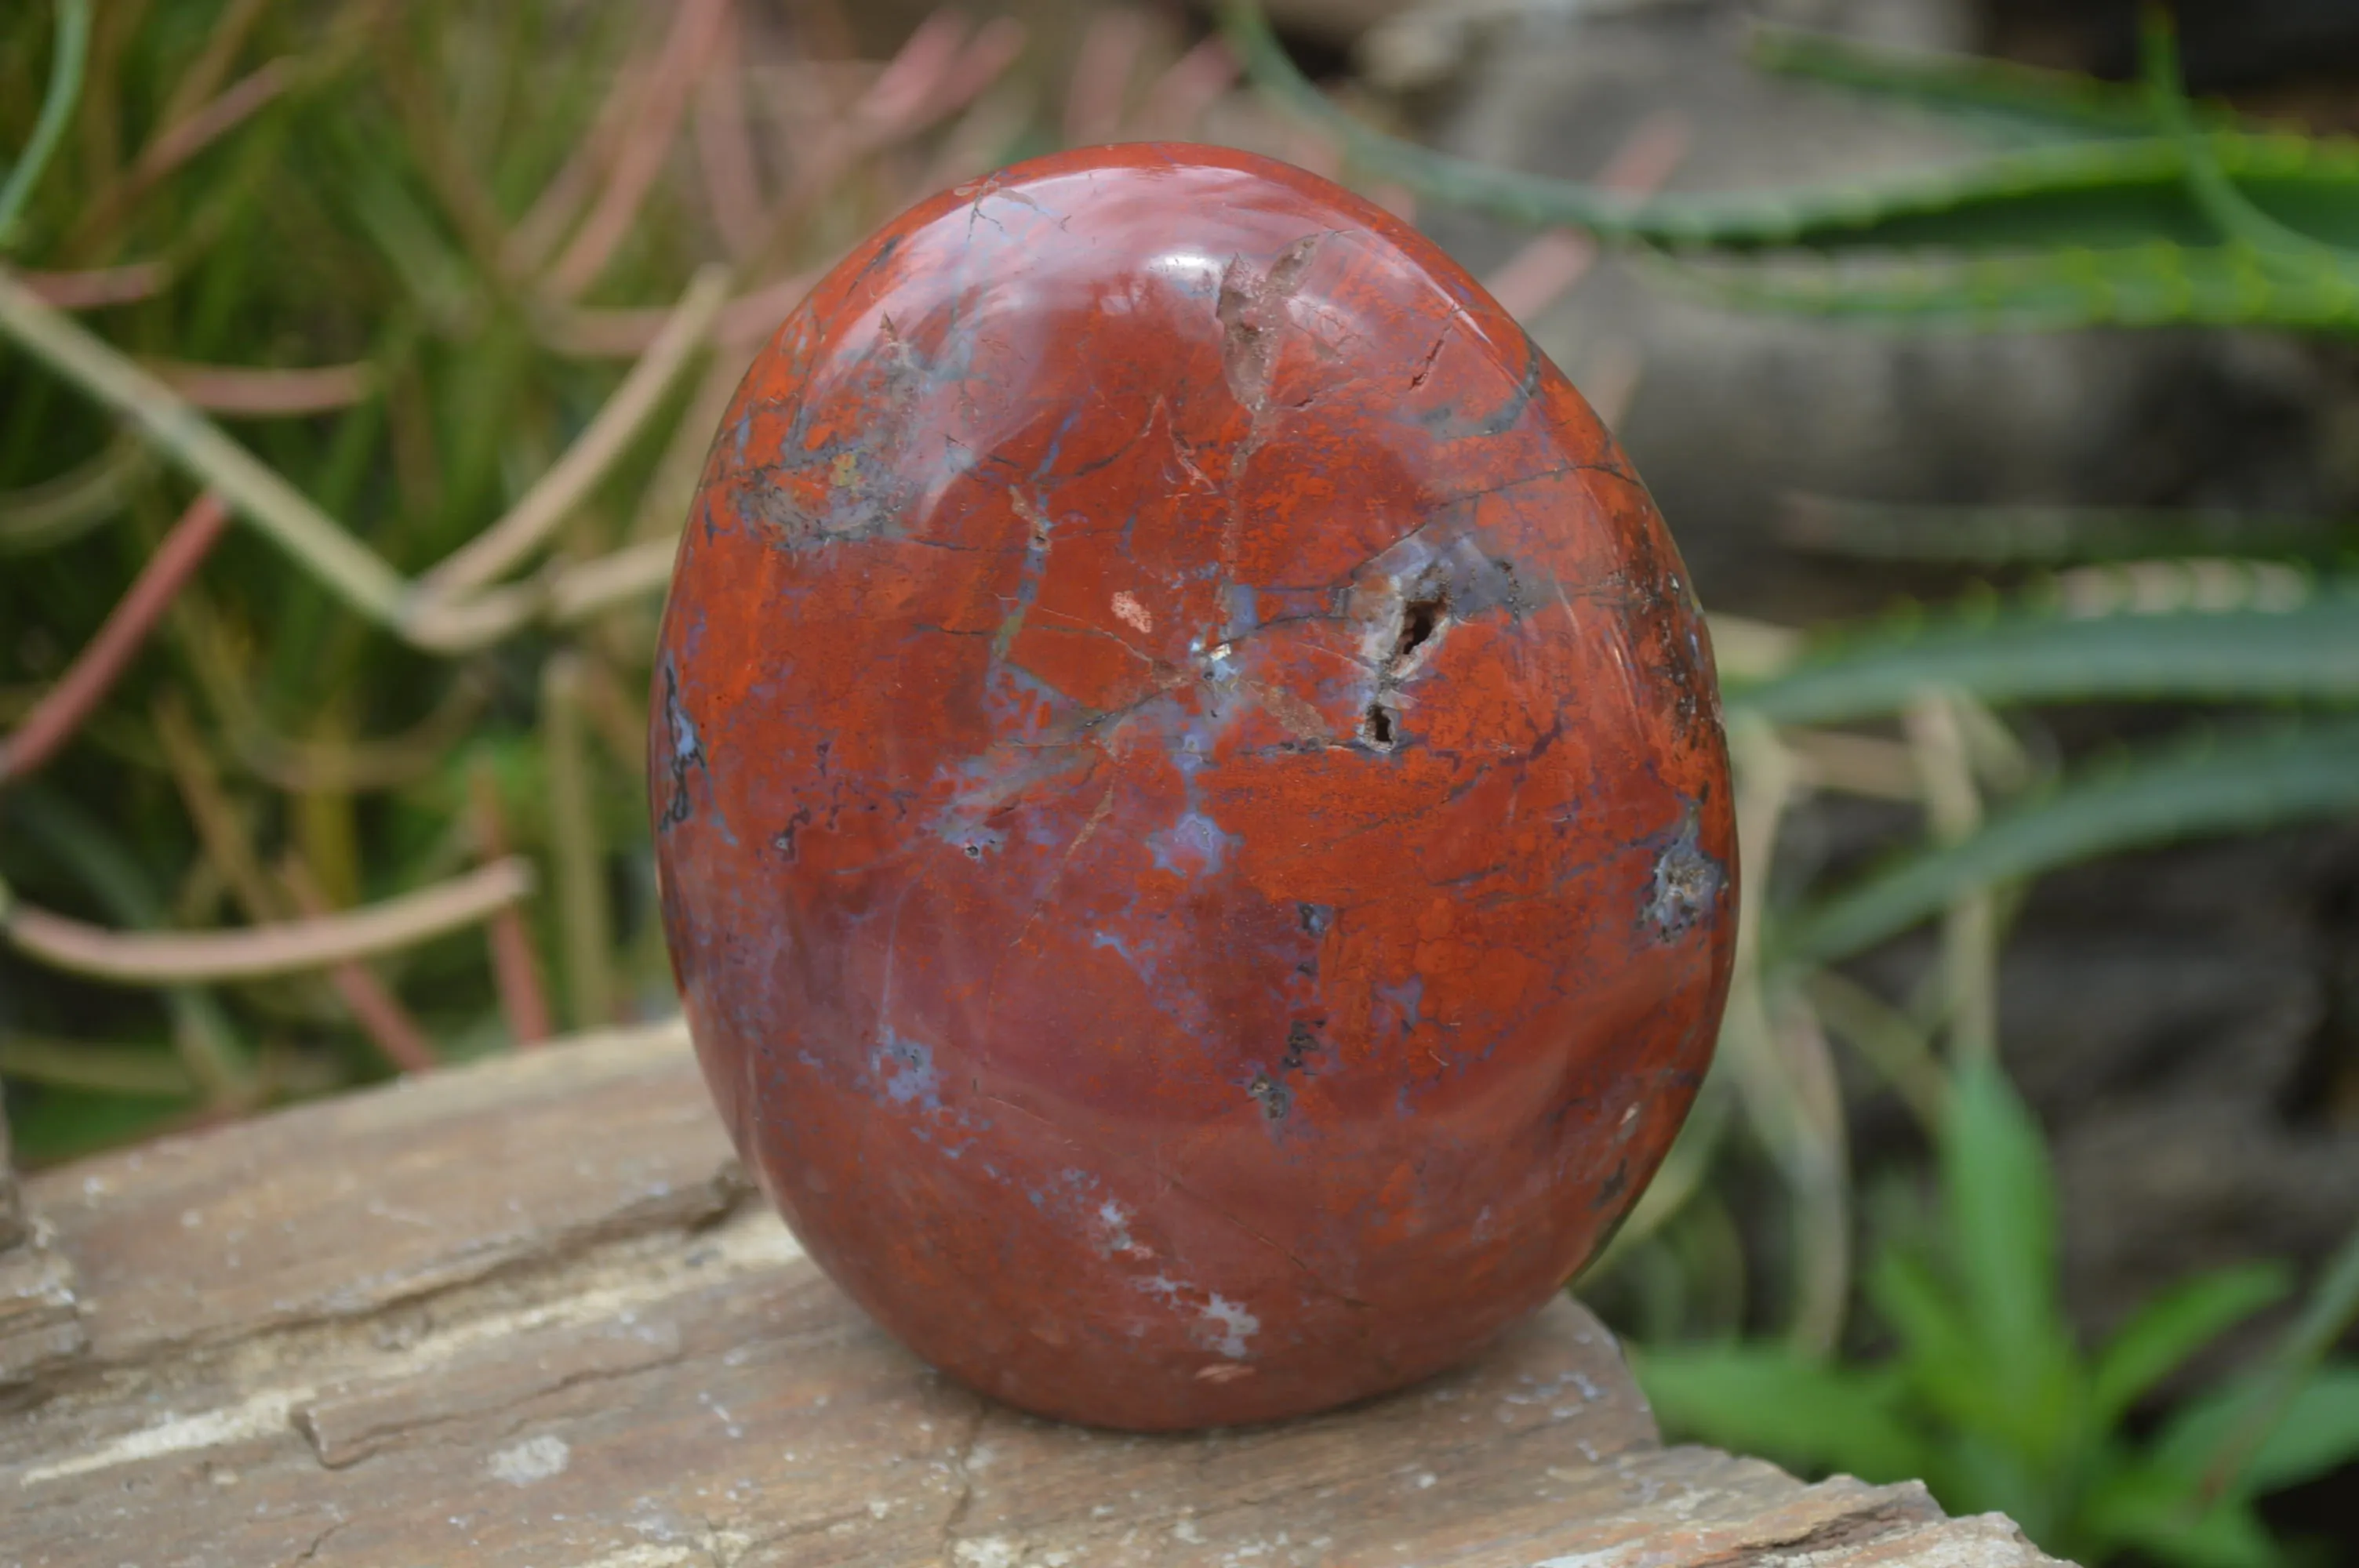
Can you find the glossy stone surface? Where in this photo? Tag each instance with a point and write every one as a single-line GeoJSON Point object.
{"type": "Point", "coordinates": [1194, 832]}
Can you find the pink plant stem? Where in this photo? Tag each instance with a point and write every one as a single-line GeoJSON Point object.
{"type": "Point", "coordinates": [536, 234]}
{"type": "Point", "coordinates": [995, 47]}
{"type": "Point", "coordinates": [627, 333]}
{"type": "Point", "coordinates": [912, 77]}
{"type": "Point", "coordinates": [516, 966]}
{"type": "Point", "coordinates": [1101, 72]}
{"type": "Point", "coordinates": [1538, 275]}
{"type": "Point", "coordinates": [724, 147]}
{"type": "Point", "coordinates": [1182, 94]}
{"type": "Point", "coordinates": [370, 1000]}
{"type": "Point", "coordinates": [281, 948]}
{"type": "Point", "coordinates": [256, 391]}
{"type": "Point", "coordinates": [61, 711]}
{"type": "Point", "coordinates": [696, 28]}
{"type": "Point", "coordinates": [99, 285]}
{"type": "Point", "coordinates": [239, 102]}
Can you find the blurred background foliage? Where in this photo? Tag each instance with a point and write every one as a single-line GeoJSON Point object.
{"type": "Point", "coordinates": [356, 360]}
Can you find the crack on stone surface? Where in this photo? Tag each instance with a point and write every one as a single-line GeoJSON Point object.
{"type": "Point", "coordinates": [1896, 1512]}
{"type": "Point", "coordinates": [335, 1454]}
{"type": "Point", "coordinates": [1449, 423]}
{"type": "Point", "coordinates": [712, 1543]}
{"type": "Point", "coordinates": [1169, 1182]}
{"type": "Point", "coordinates": [1425, 365]}
{"type": "Point", "coordinates": [960, 1454]}
{"type": "Point", "coordinates": [688, 1209]}
{"type": "Point", "coordinates": [311, 1551]}
{"type": "Point", "coordinates": [1097, 817]}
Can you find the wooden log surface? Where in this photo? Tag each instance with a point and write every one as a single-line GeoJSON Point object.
{"type": "Point", "coordinates": [528, 1313]}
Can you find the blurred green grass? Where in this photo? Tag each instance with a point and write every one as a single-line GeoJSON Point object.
{"type": "Point", "coordinates": [405, 256]}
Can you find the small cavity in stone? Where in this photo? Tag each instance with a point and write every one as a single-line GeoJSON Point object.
{"type": "Point", "coordinates": [1421, 620]}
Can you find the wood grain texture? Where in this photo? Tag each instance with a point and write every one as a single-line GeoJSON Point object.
{"type": "Point", "coordinates": [529, 1314]}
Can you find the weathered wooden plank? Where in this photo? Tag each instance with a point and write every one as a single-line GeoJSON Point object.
{"type": "Point", "coordinates": [525, 1313]}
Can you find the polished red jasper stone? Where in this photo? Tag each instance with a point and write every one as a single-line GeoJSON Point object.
{"type": "Point", "coordinates": [1194, 829]}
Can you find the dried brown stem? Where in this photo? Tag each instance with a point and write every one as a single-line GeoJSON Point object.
{"type": "Point", "coordinates": [634, 570]}
{"type": "Point", "coordinates": [440, 612]}
{"type": "Point", "coordinates": [51, 724]}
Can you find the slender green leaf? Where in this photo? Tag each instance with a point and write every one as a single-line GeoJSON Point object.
{"type": "Point", "coordinates": [1974, 1472]}
{"type": "Point", "coordinates": [2146, 1507]}
{"type": "Point", "coordinates": [2027, 653]}
{"type": "Point", "coordinates": [2296, 773]}
{"type": "Point", "coordinates": [2020, 98]}
{"type": "Point", "coordinates": [1769, 1400]}
{"type": "Point", "coordinates": [62, 509]}
{"type": "Point", "coordinates": [2164, 1333]}
{"type": "Point", "coordinates": [2155, 284]}
{"type": "Point", "coordinates": [2241, 1455]}
{"type": "Point", "coordinates": [2112, 192]}
{"type": "Point", "coordinates": [2210, 179]}
{"type": "Point", "coordinates": [2316, 1430]}
{"type": "Point", "coordinates": [70, 56]}
{"type": "Point", "coordinates": [1941, 1353]}
{"type": "Point", "coordinates": [1999, 1206]}
{"type": "Point", "coordinates": [2033, 532]}
{"type": "Point", "coordinates": [2333, 1306]}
